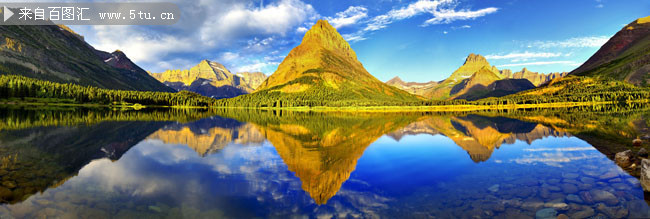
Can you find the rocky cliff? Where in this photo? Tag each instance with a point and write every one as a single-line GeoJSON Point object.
{"type": "Point", "coordinates": [208, 78]}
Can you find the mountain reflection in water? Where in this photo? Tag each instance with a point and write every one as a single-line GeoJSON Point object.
{"type": "Point", "coordinates": [478, 135]}
{"type": "Point", "coordinates": [278, 163]}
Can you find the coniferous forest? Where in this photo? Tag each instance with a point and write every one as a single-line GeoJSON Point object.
{"type": "Point", "coordinates": [12, 86]}
{"type": "Point", "coordinates": [566, 90]}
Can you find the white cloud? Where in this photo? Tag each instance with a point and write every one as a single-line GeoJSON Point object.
{"type": "Point", "coordinates": [576, 42]}
{"type": "Point", "coordinates": [411, 10]}
{"type": "Point", "coordinates": [140, 46]}
{"type": "Point", "coordinates": [208, 27]}
{"type": "Point", "coordinates": [442, 12]}
{"type": "Point", "coordinates": [229, 56]}
{"type": "Point", "coordinates": [240, 21]}
{"type": "Point", "coordinates": [445, 32]}
{"type": "Point", "coordinates": [255, 67]}
{"type": "Point", "coordinates": [560, 149]}
{"type": "Point", "coordinates": [353, 37]}
{"type": "Point", "coordinates": [177, 63]}
{"type": "Point", "coordinates": [600, 6]}
{"type": "Point", "coordinates": [350, 16]}
{"type": "Point", "coordinates": [259, 45]}
{"type": "Point", "coordinates": [446, 16]}
{"type": "Point", "coordinates": [570, 63]}
{"type": "Point", "coordinates": [524, 55]}
{"type": "Point", "coordinates": [301, 30]}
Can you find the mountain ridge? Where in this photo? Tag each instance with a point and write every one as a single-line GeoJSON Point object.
{"type": "Point", "coordinates": [625, 56]}
{"type": "Point", "coordinates": [535, 78]}
{"type": "Point", "coordinates": [208, 78]}
{"type": "Point", "coordinates": [66, 58]}
{"type": "Point", "coordinates": [416, 88]}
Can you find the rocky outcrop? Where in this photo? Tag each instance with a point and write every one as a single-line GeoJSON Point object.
{"type": "Point", "coordinates": [506, 73]}
{"type": "Point", "coordinates": [645, 174]}
{"type": "Point", "coordinates": [625, 158]}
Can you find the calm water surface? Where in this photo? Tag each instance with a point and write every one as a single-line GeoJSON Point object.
{"type": "Point", "coordinates": [240, 165]}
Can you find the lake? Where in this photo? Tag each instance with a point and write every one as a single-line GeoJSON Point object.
{"type": "Point", "coordinates": [101, 163]}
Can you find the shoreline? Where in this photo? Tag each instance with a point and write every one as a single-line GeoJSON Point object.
{"type": "Point", "coordinates": [436, 108]}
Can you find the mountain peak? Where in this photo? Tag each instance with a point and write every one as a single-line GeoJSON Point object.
{"type": "Point", "coordinates": [473, 63]}
{"type": "Point", "coordinates": [326, 64]}
{"type": "Point", "coordinates": [395, 80]}
{"type": "Point", "coordinates": [324, 35]}
{"type": "Point", "coordinates": [476, 58]}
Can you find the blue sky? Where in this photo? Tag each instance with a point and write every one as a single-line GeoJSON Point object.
{"type": "Point", "coordinates": [416, 40]}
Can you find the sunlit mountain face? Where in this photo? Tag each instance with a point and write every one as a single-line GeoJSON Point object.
{"type": "Point", "coordinates": [235, 163]}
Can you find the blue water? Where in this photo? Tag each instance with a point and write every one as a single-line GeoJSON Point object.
{"type": "Point", "coordinates": [419, 175]}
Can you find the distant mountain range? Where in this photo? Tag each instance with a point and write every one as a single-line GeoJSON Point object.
{"type": "Point", "coordinates": [476, 79]}
{"type": "Point", "coordinates": [534, 77]}
{"type": "Point", "coordinates": [322, 70]}
{"type": "Point", "coordinates": [625, 56]}
{"type": "Point", "coordinates": [56, 53]}
{"type": "Point", "coordinates": [211, 79]}
{"type": "Point", "coordinates": [412, 87]}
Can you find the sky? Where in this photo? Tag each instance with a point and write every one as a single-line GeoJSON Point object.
{"type": "Point", "coordinates": [417, 40]}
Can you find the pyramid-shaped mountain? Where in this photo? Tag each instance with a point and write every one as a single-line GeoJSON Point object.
{"type": "Point", "coordinates": [322, 71]}
{"type": "Point", "coordinates": [625, 57]}
{"type": "Point", "coordinates": [477, 79]}
{"type": "Point", "coordinates": [473, 64]}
